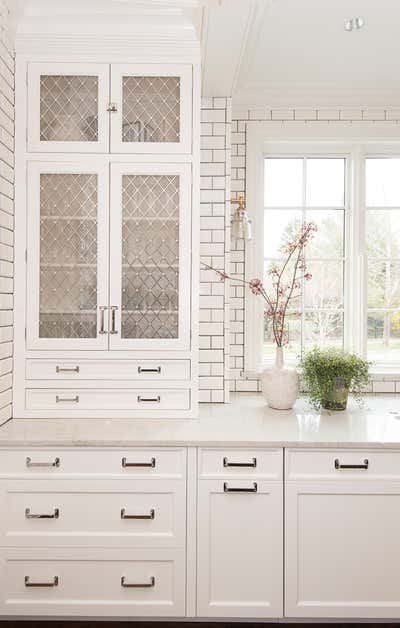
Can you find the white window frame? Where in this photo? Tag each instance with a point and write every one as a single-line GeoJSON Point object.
{"type": "Point", "coordinates": [353, 140]}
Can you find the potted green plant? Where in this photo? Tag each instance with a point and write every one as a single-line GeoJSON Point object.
{"type": "Point", "coordinates": [329, 375]}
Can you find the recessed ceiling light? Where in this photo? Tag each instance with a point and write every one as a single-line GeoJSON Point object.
{"type": "Point", "coordinates": [354, 24]}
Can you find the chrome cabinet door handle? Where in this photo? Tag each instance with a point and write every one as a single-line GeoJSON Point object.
{"type": "Point", "coordinates": [149, 399]}
{"type": "Point", "coordinates": [145, 370]}
{"type": "Point", "coordinates": [251, 464]}
{"type": "Point", "coordinates": [240, 490]}
{"type": "Point", "coordinates": [67, 399]}
{"type": "Point", "coordinates": [60, 369]}
{"type": "Point", "coordinates": [365, 465]}
{"type": "Point", "coordinates": [146, 585]}
{"type": "Point", "coordinates": [126, 464]}
{"type": "Point", "coordinates": [113, 329]}
{"type": "Point", "coordinates": [54, 582]}
{"type": "Point", "coordinates": [31, 464]}
{"type": "Point", "coordinates": [102, 309]}
{"type": "Point", "coordinates": [149, 516]}
{"type": "Point", "coordinates": [30, 515]}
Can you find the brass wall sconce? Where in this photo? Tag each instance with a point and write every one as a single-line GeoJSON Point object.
{"type": "Point", "coordinates": [241, 223]}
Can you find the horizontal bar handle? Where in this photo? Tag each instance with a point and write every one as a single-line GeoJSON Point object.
{"type": "Point", "coordinates": [145, 585]}
{"type": "Point", "coordinates": [53, 583]}
{"type": "Point", "coordinates": [251, 464]}
{"type": "Point", "coordinates": [126, 464]}
{"type": "Point", "coordinates": [147, 370]}
{"type": "Point", "coordinates": [365, 465]}
{"type": "Point", "coordinates": [30, 515]}
{"type": "Point", "coordinates": [227, 489]}
{"type": "Point", "coordinates": [30, 464]}
{"type": "Point", "coordinates": [67, 399]}
{"type": "Point", "coordinates": [149, 516]}
{"type": "Point", "coordinates": [151, 399]}
{"type": "Point", "coordinates": [61, 369]}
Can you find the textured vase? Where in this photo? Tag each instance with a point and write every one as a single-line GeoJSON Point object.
{"type": "Point", "coordinates": [280, 385]}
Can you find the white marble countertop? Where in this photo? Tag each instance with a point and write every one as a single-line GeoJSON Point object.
{"type": "Point", "coordinates": [245, 422]}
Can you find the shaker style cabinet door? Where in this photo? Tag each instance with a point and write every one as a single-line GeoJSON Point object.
{"type": "Point", "coordinates": [67, 107]}
{"type": "Point", "coordinates": [151, 108]}
{"type": "Point", "coordinates": [240, 549]}
{"type": "Point", "coordinates": [67, 256]}
{"type": "Point", "coordinates": [150, 243]}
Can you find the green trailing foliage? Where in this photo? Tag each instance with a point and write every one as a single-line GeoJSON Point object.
{"type": "Point", "coordinates": [329, 374]}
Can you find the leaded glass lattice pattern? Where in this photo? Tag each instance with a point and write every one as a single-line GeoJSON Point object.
{"type": "Point", "coordinates": [151, 109]}
{"type": "Point", "coordinates": [68, 108]}
{"type": "Point", "coordinates": [68, 256]}
{"type": "Point", "coordinates": [150, 256]}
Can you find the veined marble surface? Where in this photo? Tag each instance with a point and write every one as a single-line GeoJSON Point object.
{"type": "Point", "coordinates": [245, 422]}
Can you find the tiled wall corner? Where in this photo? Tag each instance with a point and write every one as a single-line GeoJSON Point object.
{"type": "Point", "coordinates": [241, 117]}
{"type": "Point", "coordinates": [6, 215]}
{"type": "Point", "coordinates": [215, 192]}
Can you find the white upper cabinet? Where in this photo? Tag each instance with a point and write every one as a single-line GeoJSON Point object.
{"type": "Point", "coordinates": [75, 107]}
{"type": "Point", "coordinates": [67, 107]}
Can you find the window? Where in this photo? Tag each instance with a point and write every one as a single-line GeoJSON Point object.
{"type": "Point", "coordinates": [346, 179]}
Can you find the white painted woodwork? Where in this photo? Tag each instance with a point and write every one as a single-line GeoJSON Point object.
{"type": "Point", "coordinates": [142, 370]}
{"type": "Point", "coordinates": [254, 463]}
{"type": "Point", "coordinates": [89, 513]}
{"type": "Point", "coordinates": [240, 570]}
{"type": "Point", "coordinates": [89, 582]}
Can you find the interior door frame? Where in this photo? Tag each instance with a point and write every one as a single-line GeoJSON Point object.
{"type": "Point", "coordinates": [117, 171]}
{"type": "Point", "coordinates": [34, 170]}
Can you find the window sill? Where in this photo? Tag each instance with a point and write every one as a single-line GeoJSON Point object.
{"type": "Point", "coordinates": [377, 375]}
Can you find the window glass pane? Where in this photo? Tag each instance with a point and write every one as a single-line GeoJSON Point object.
{"type": "Point", "coordinates": [383, 284]}
{"type": "Point", "coordinates": [325, 289]}
{"type": "Point", "coordinates": [383, 342]}
{"type": "Point", "coordinates": [382, 178]}
{"type": "Point", "coordinates": [283, 182]}
{"type": "Point", "coordinates": [325, 182]}
{"type": "Point", "coordinates": [329, 239]}
{"type": "Point", "coordinates": [323, 328]}
{"type": "Point", "coordinates": [279, 227]}
{"type": "Point", "coordinates": [383, 233]}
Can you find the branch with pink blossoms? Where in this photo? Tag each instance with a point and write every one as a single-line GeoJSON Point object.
{"type": "Point", "coordinates": [283, 294]}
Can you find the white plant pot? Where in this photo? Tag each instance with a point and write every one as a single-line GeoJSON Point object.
{"type": "Point", "coordinates": [279, 384]}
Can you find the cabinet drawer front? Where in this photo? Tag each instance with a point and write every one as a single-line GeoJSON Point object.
{"type": "Point", "coordinates": [125, 463]}
{"type": "Point", "coordinates": [110, 513]}
{"type": "Point", "coordinates": [264, 463]}
{"type": "Point", "coordinates": [76, 370]}
{"type": "Point", "coordinates": [73, 400]}
{"type": "Point", "coordinates": [342, 464]}
{"type": "Point", "coordinates": [92, 582]}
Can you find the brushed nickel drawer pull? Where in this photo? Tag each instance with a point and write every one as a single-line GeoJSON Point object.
{"type": "Point", "coordinates": [67, 399]}
{"type": "Point", "coordinates": [146, 585]}
{"type": "Point", "coordinates": [251, 464]}
{"type": "Point", "coordinates": [149, 399]}
{"type": "Point", "coordinates": [113, 309]}
{"type": "Point", "coordinates": [54, 583]}
{"type": "Point", "coordinates": [31, 464]}
{"type": "Point", "coordinates": [30, 515]}
{"type": "Point", "coordinates": [126, 464]}
{"type": "Point", "coordinates": [144, 370]}
{"type": "Point", "coordinates": [240, 490]}
{"type": "Point", "coordinates": [125, 516]}
{"type": "Point", "coordinates": [102, 309]}
{"type": "Point", "coordinates": [60, 369]}
{"type": "Point", "coordinates": [365, 465]}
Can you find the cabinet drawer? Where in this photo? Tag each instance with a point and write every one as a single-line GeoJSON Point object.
{"type": "Point", "coordinates": [124, 463]}
{"type": "Point", "coordinates": [72, 400]}
{"type": "Point", "coordinates": [92, 582]}
{"type": "Point", "coordinates": [341, 464]}
{"type": "Point", "coordinates": [246, 463]}
{"type": "Point", "coordinates": [87, 513]}
{"type": "Point", "coordinates": [156, 370]}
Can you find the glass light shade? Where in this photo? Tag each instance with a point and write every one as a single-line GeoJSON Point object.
{"type": "Point", "coordinates": [241, 226]}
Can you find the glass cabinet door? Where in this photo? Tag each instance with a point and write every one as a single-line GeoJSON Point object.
{"type": "Point", "coordinates": [150, 263]}
{"type": "Point", "coordinates": [67, 107]}
{"type": "Point", "coordinates": [67, 259]}
{"type": "Point", "coordinates": [152, 108]}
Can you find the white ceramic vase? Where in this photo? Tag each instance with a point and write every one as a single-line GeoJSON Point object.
{"type": "Point", "coordinates": [280, 385]}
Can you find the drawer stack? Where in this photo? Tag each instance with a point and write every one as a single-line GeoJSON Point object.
{"type": "Point", "coordinates": [137, 388]}
{"type": "Point", "coordinates": [97, 532]}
